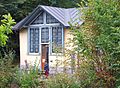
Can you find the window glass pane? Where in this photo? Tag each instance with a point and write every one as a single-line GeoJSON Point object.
{"type": "Point", "coordinates": [56, 39]}
{"type": "Point", "coordinates": [34, 40]}
{"type": "Point", "coordinates": [45, 35]}
{"type": "Point", "coordinates": [38, 20]}
{"type": "Point", "coordinates": [50, 19]}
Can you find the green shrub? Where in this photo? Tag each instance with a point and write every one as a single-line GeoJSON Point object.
{"type": "Point", "coordinates": [11, 75]}
{"type": "Point", "coordinates": [62, 80]}
{"type": "Point", "coordinates": [7, 70]}
{"type": "Point", "coordinates": [28, 79]}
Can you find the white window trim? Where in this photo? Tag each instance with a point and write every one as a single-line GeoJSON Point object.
{"type": "Point", "coordinates": [28, 45]}
{"type": "Point", "coordinates": [44, 25]}
{"type": "Point", "coordinates": [59, 54]}
{"type": "Point", "coordinates": [50, 36]}
{"type": "Point", "coordinates": [44, 22]}
{"type": "Point", "coordinates": [36, 18]}
{"type": "Point", "coordinates": [49, 43]}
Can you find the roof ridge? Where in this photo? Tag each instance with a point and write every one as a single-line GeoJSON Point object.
{"type": "Point", "coordinates": [57, 7]}
{"type": "Point", "coordinates": [51, 6]}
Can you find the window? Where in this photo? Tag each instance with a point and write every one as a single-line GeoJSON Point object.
{"type": "Point", "coordinates": [34, 40]}
{"type": "Point", "coordinates": [45, 35]}
{"type": "Point", "coordinates": [38, 20]}
{"type": "Point", "coordinates": [50, 19]}
{"type": "Point", "coordinates": [46, 29]}
{"type": "Point", "coordinates": [56, 39]}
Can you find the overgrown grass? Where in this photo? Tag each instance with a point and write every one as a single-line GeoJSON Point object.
{"type": "Point", "coordinates": [7, 70]}
{"type": "Point", "coordinates": [10, 75]}
{"type": "Point", "coordinates": [62, 80]}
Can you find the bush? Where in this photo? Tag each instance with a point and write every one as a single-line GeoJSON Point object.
{"type": "Point", "coordinates": [62, 80]}
{"type": "Point", "coordinates": [7, 70]}
{"type": "Point", "coordinates": [28, 79]}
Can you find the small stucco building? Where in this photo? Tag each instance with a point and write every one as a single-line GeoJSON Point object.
{"type": "Point", "coordinates": [43, 34]}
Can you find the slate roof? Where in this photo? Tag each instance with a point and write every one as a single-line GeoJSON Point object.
{"type": "Point", "coordinates": [63, 15]}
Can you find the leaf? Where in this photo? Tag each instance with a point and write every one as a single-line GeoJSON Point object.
{"type": "Point", "coordinates": [6, 28]}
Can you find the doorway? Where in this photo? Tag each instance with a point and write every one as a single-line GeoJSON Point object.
{"type": "Point", "coordinates": [44, 55]}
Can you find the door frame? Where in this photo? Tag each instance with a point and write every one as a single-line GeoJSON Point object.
{"type": "Point", "coordinates": [46, 53]}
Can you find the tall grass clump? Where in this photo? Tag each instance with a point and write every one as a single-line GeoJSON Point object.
{"type": "Point", "coordinates": [7, 70]}
{"type": "Point", "coordinates": [62, 80]}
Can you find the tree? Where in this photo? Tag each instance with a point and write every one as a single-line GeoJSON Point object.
{"type": "Point", "coordinates": [98, 40]}
{"type": "Point", "coordinates": [5, 28]}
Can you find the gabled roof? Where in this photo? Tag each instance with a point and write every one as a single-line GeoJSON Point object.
{"type": "Point", "coordinates": [63, 15]}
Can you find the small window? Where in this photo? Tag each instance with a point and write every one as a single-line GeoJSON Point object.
{"type": "Point", "coordinates": [50, 19]}
{"type": "Point", "coordinates": [45, 35]}
{"type": "Point", "coordinates": [34, 40]}
{"type": "Point", "coordinates": [38, 20]}
{"type": "Point", "coordinates": [56, 39]}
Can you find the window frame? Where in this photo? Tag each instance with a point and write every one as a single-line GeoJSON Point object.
{"type": "Point", "coordinates": [44, 36]}
{"type": "Point", "coordinates": [47, 14]}
{"type": "Point", "coordinates": [62, 41]}
{"type": "Point", "coordinates": [36, 18]}
{"type": "Point", "coordinates": [40, 26]}
{"type": "Point", "coordinates": [29, 40]}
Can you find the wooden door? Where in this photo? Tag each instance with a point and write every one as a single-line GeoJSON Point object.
{"type": "Point", "coordinates": [44, 55]}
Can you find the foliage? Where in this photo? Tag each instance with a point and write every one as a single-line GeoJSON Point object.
{"type": "Point", "coordinates": [66, 3]}
{"type": "Point", "coordinates": [62, 80]}
{"type": "Point", "coordinates": [5, 28]}
{"type": "Point", "coordinates": [28, 79]}
{"type": "Point", "coordinates": [85, 75]}
{"type": "Point", "coordinates": [7, 70]}
{"type": "Point", "coordinates": [11, 75]}
{"type": "Point", "coordinates": [97, 40]}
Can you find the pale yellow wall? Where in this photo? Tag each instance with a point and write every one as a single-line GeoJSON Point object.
{"type": "Point", "coordinates": [31, 58]}
{"type": "Point", "coordinates": [68, 46]}
{"type": "Point", "coordinates": [68, 36]}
